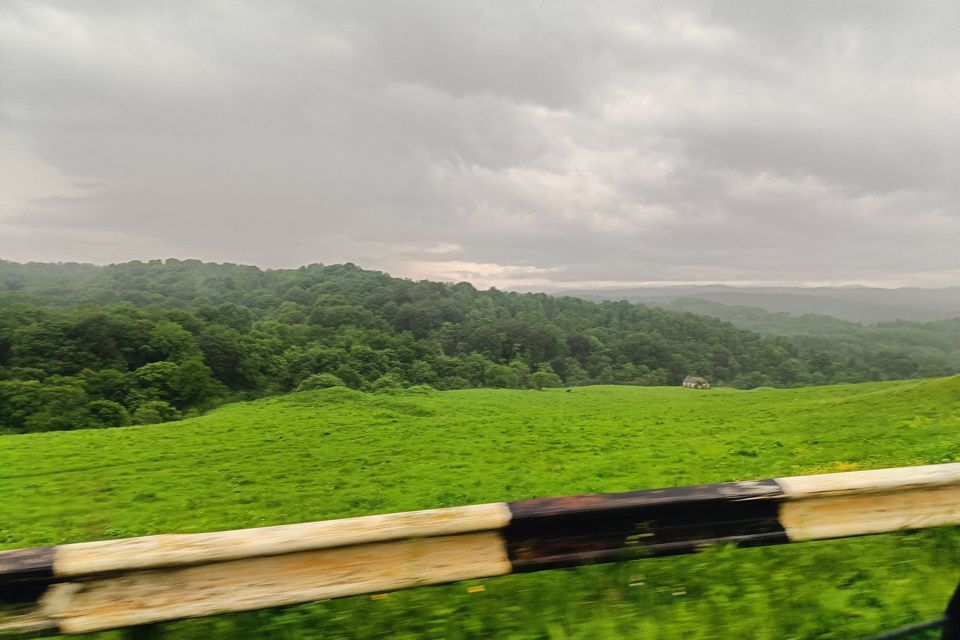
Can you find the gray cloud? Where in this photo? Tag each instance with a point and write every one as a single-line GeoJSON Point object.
{"type": "Point", "coordinates": [518, 144]}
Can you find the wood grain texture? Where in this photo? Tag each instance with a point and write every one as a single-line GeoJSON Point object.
{"type": "Point", "coordinates": [874, 481]}
{"type": "Point", "coordinates": [173, 550]}
{"type": "Point", "coordinates": [867, 513]}
{"type": "Point", "coordinates": [26, 625]}
{"type": "Point", "coordinates": [26, 564]}
{"type": "Point", "coordinates": [143, 597]}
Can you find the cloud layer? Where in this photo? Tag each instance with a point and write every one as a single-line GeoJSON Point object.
{"type": "Point", "coordinates": [541, 144]}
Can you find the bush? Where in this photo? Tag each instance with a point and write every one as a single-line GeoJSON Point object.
{"type": "Point", "coordinates": [387, 381]}
{"type": "Point", "coordinates": [320, 381]}
{"type": "Point", "coordinates": [154, 411]}
{"type": "Point", "coordinates": [421, 389]}
{"type": "Point", "coordinates": [452, 382]}
{"type": "Point", "coordinates": [108, 413]}
{"type": "Point", "coordinates": [545, 376]}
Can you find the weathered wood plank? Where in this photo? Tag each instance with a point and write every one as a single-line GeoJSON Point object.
{"type": "Point", "coordinates": [26, 564]}
{"type": "Point", "coordinates": [129, 554]}
{"type": "Point", "coordinates": [692, 497]}
{"type": "Point", "coordinates": [873, 481]}
{"type": "Point", "coordinates": [143, 597]}
{"type": "Point", "coordinates": [26, 625]}
{"type": "Point", "coordinates": [557, 532]}
{"type": "Point", "coordinates": [846, 514]}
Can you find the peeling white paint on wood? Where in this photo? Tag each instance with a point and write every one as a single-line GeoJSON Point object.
{"type": "Point", "coordinates": [143, 597]}
{"type": "Point", "coordinates": [837, 505]}
{"type": "Point", "coordinates": [30, 624]}
{"type": "Point", "coordinates": [868, 513]}
{"type": "Point", "coordinates": [173, 550]}
{"type": "Point", "coordinates": [874, 481]}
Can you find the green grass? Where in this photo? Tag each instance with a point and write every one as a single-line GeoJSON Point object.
{"type": "Point", "coordinates": [338, 453]}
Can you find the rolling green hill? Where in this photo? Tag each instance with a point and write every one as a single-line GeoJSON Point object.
{"type": "Point", "coordinates": [337, 452]}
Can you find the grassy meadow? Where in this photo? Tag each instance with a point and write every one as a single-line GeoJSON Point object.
{"type": "Point", "coordinates": [335, 453]}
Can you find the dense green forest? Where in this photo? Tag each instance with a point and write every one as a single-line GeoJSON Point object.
{"type": "Point", "coordinates": [84, 346]}
{"type": "Point", "coordinates": [922, 341]}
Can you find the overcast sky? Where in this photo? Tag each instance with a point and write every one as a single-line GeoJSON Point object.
{"type": "Point", "coordinates": [518, 144]}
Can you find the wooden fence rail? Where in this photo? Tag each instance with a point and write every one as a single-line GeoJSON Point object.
{"type": "Point", "coordinates": [94, 586]}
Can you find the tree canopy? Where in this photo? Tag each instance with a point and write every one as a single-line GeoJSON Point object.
{"type": "Point", "coordinates": [84, 346]}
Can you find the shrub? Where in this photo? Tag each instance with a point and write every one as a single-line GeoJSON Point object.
{"type": "Point", "coordinates": [108, 413]}
{"type": "Point", "coordinates": [452, 382]}
{"type": "Point", "coordinates": [387, 381]}
{"type": "Point", "coordinates": [545, 376]}
{"type": "Point", "coordinates": [154, 411]}
{"type": "Point", "coordinates": [320, 381]}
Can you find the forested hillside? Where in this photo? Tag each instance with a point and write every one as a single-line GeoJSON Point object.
{"type": "Point", "coordinates": [84, 346]}
{"type": "Point", "coordinates": [921, 341]}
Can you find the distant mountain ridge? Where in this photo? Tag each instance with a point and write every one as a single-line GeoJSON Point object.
{"type": "Point", "coordinates": [854, 304]}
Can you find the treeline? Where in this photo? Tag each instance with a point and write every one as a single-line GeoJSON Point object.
{"type": "Point", "coordinates": [137, 343]}
{"type": "Point", "coordinates": [909, 346]}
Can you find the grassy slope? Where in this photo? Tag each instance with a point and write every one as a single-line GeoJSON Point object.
{"type": "Point", "coordinates": [336, 453]}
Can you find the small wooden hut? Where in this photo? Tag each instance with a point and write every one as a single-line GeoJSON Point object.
{"type": "Point", "coordinates": [696, 382]}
